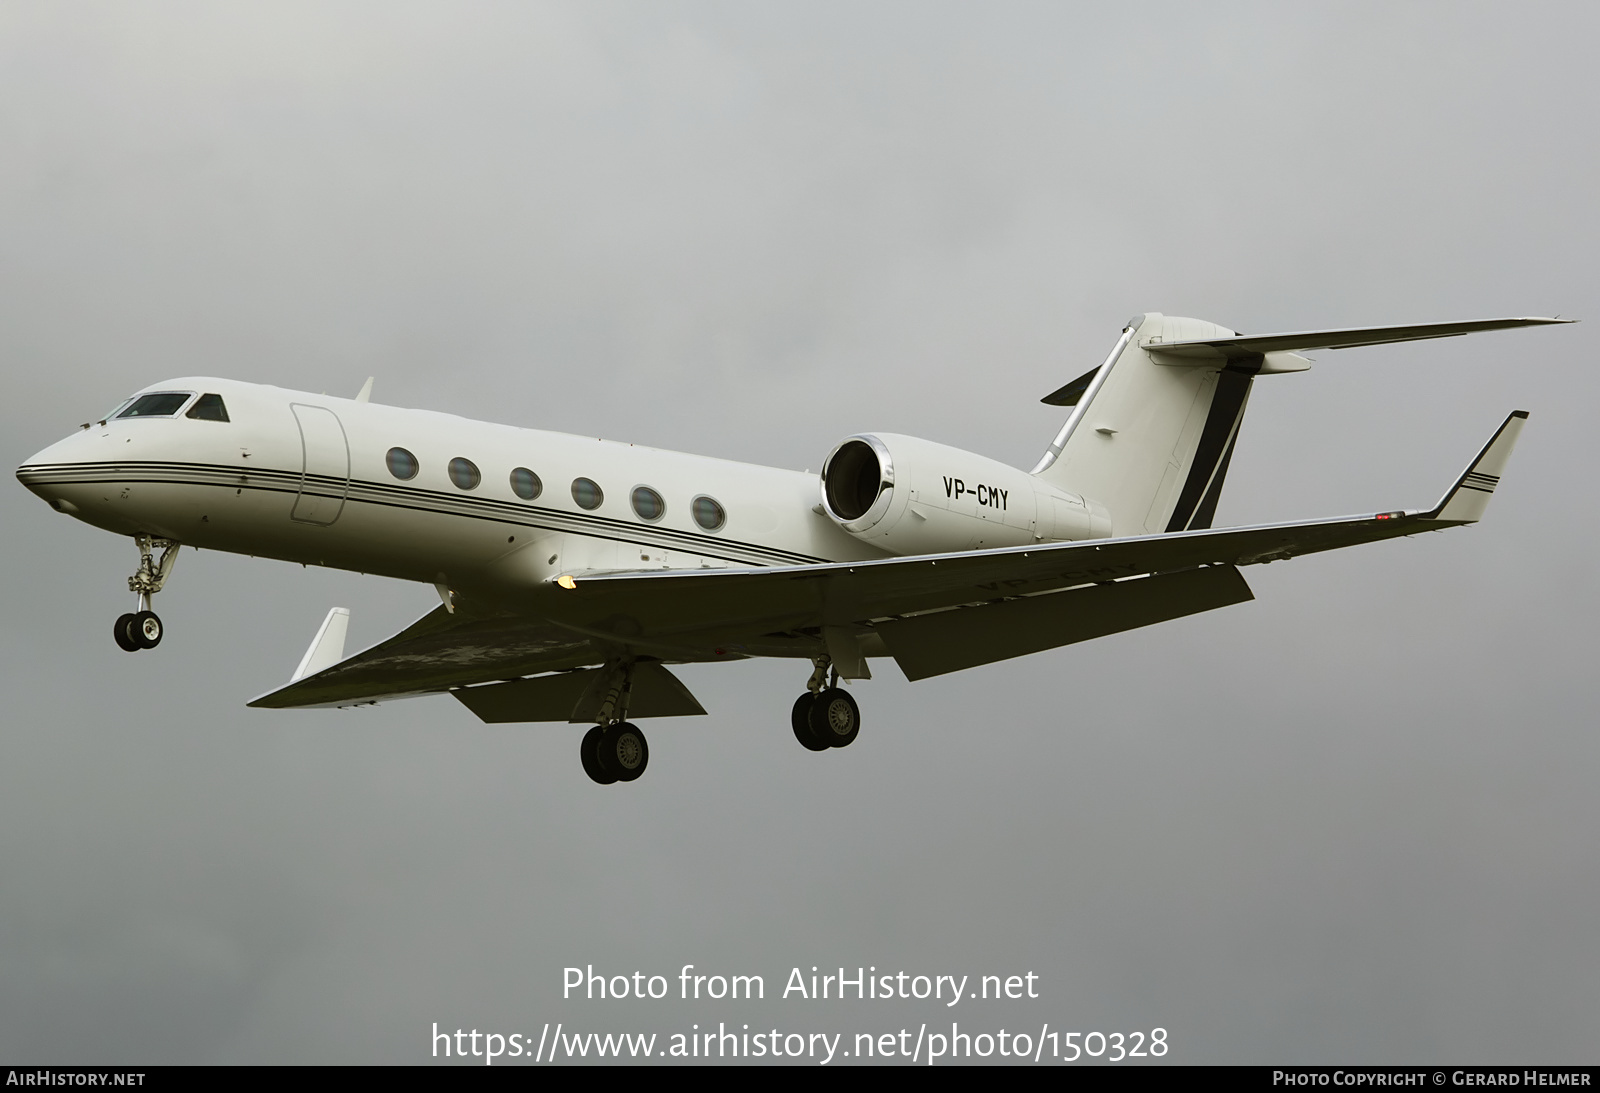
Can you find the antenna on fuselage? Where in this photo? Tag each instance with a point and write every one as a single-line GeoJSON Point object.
{"type": "Point", "coordinates": [366, 390]}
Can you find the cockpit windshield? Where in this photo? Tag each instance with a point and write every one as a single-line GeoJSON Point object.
{"type": "Point", "coordinates": [164, 404]}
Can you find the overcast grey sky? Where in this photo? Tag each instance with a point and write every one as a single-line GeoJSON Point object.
{"type": "Point", "coordinates": [1352, 820]}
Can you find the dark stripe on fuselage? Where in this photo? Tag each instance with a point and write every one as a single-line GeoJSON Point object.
{"type": "Point", "coordinates": [385, 495]}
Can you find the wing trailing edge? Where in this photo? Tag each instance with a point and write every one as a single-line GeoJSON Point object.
{"type": "Point", "coordinates": [949, 641]}
{"type": "Point", "coordinates": [575, 697]}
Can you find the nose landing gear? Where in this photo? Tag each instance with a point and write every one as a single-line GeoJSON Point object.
{"type": "Point", "coordinates": [138, 630]}
{"type": "Point", "coordinates": [142, 629]}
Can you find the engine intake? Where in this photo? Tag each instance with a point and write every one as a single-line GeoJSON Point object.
{"type": "Point", "coordinates": [858, 474]}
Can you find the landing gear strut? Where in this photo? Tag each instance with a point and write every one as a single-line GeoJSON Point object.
{"type": "Point", "coordinates": [825, 716]}
{"type": "Point", "coordinates": [615, 750]}
{"type": "Point", "coordinates": [142, 629]}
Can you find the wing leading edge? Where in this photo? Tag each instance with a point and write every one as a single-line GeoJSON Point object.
{"type": "Point", "coordinates": [934, 613]}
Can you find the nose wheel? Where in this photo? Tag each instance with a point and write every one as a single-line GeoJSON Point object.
{"type": "Point", "coordinates": [137, 630]}
{"type": "Point", "coordinates": [142, 629]}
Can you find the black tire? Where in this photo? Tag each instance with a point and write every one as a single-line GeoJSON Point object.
{"type": "Point", "coordinates": [835, 718]}
{"type": "Point", "coordinates": [800, 719]}
{"type": "Point", "coordinates": [623, 751]}
{"type": "Point", "coordinates": [589, 752]}
{"type": "Point", "coordinates": [147, 629]}
{"type": "Point", "coordinates": [123, 631]}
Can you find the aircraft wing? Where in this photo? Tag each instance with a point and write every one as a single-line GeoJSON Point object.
{"type": "Point", "coordinates": [688, 607]}
{"type": "Point", "coordinates": [983, 605]}
{"type": "Point", "coordinates": [439, 651]}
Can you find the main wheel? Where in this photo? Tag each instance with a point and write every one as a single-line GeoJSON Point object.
{"type": "Point", "coordinates": [835, 718]}
{"type": "Point", "coordinates": [623, 751]}
{"type": "Point", "coordinates": [147, 629]}
{"type": "Point", "coordinates": [589, 752]}
{"type": "Point", "coordinates": [123, 631]}
{"type": "Point", "coordinates": [800, 719]}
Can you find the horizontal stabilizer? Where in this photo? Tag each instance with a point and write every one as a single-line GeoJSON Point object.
{"type": "Point", "coordinates": [1072, 392]}
{"type": "Point", "coordinates": [1252, 346]}
{"type": "Point", "coordinates": [948, 641]}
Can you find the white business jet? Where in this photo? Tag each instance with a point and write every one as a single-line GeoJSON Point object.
{"type": "Point", "coordinates": [572, 571]}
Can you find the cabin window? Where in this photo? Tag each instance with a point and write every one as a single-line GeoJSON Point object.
{"type": "Point", "coordinates": [402, 464]}
{"type": "Point", "coordinates": [709, 513]}
{"type": "Point", "coordinates": [647, 503]}
{"type": "Point", "coordinates": [208, 408]}
{"type": "Point", "coordinates": [525, 484]}
{"type": "Point", "coordinates": [464, 473]}
{"type": "Point", "coordinates": [163, 405]}
{"type": "Point", "coordinates": [587, 493]}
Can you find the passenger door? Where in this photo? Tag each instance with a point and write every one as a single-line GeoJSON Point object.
{"type": "Point", "coordinates": [325, 467]}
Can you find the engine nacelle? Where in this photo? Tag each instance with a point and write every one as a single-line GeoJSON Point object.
{"type": "Point", "coordinates": [912, 496]}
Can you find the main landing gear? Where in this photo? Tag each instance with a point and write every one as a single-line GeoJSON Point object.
{"type": "Point", "coordinates": [617, 752]}
{"type": "Point", "coordinates": [614, 750]}
{"type": "Point", "coordinates": [825, 717]}
{"type": "Point", "coordinates": [141, 629]}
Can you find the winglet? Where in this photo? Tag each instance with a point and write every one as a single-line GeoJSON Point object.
{"type": "Point", "coordinates": [1467, 499]}
{"type": "Point", "coordinates": [366, 390]}
{"type": "Point", "coordinates": [327, 648]}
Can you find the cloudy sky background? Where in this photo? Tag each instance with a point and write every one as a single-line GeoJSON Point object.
{"type": "Point", "coordinates": [1351, 821]}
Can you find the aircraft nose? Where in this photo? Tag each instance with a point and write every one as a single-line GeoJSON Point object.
{"type": "Point", "coordinates": [42, 470]}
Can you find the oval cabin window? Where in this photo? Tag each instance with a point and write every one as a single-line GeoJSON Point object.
{"type": "Point", "coordinates": [647, 503]}
{"type": "Point", "coordinates": [708, 513]}
{"type": "Point", "coordinates": [525, 484]}
{"type": "Point", "coordinates": [464, 473]}
{"type": "Point", "coordinates": [402, 464]}
{"type": "Point", "coordinates": [587, 493]}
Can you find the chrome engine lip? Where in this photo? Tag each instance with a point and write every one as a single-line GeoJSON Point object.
{"type": "Point", "coordinates": [880, 505]}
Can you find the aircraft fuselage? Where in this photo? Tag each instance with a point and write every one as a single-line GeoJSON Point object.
{"type": "Point", "coordinates": [311, 479]}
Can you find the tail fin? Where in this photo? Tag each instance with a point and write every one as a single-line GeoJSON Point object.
{"type": "Point", "coordinates": [1155, 425]}
{"type": "Point", "coordinates": [1148, 440]}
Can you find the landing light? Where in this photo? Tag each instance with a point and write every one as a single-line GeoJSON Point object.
{"type": "Point", "coordinates": [565, 581]}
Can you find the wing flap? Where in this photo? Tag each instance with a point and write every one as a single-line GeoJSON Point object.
{"type": "Point", "coordinates": [656, 692]}
{"type": "Point", "coordinates": [948, 641]}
